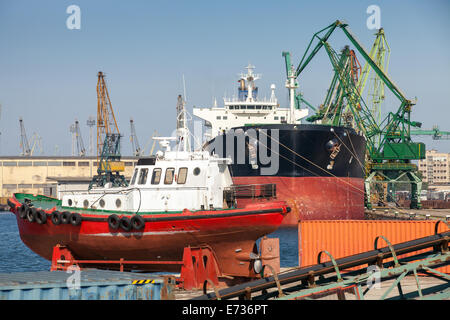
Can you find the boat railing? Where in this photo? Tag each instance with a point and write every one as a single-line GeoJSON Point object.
{"type": "Point", "coordinates": [251, 191]}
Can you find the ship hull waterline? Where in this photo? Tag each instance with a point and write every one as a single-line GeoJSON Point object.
{"type": "Point", "coordinates": [316, 198]}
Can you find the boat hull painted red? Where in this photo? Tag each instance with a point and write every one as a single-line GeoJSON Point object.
{"type": "Point", "coordinates": [315, 198]}
{"type": "Point", "coordinates": [230, 233]}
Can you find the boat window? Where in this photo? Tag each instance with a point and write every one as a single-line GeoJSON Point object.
{"type": "Point", "coordinates": [231, 107]}
{"type": "Point", "coordinates": [156, 176]}
{"type": "Point", "coordinates": [182, 174]}
{"type": "Point", "coordinates": [250, 107]}
{"type": "Point", "coordinates": [258, 107]}
{"type": "Point", "coordinates": [218, 117]}
{"type": "Point", "coordinates": [143, 176]}
{"type": "Point", "coordinates": [133, 180]}
{"type": "Point", "coordinates": [169, 176]}
{"type": "Point", "coordinates": [196, 171]}
{"type": "Point", "coordinates": [275, 118]}
{"type": "Point", "coordinates": [225, 118]}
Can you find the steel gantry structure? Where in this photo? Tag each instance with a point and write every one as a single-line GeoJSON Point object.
{"type": "Point", "coordinates": [390, 149]}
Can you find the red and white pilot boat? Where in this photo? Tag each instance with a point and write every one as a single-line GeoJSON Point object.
{"type": "Point", "coordinates": [176, 199]}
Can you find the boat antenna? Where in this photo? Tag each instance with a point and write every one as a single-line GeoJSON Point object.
{"type": "Point", "coordinates": [184, 89]}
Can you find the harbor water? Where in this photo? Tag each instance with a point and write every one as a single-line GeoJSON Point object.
{"type": "Point", "coordinates": [16, 257]}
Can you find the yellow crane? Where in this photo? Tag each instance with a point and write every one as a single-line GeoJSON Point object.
{"type": "Point", "coordinates": [108, 141]}
{"type": "Point", "coordinates": [106, 121]}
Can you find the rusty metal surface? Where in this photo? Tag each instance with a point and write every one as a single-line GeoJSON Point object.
{"type": "Point", "coordinates": [348, 237]}
{"type": "Point", "coordinates": [270, 254]}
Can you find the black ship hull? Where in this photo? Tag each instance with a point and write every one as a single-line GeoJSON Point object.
{"type": "Point", "coordinates": [317, 169]}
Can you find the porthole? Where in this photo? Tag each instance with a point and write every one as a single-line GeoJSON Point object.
{"type": "Point", "coordinates": [102, 203]}
{"type": "Point", "coordinates": [70, 202]}
{"type": "Point", "coordinates": [196, 171]}
{"type": "Point", "coordinates": [85, 203]}
{"type": "Point", "coordinates": [118, 203]}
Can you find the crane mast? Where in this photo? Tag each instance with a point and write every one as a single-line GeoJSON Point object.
{"type": "Point", "coordinates": [24, 145]}
{"type": "Point", "coordinates": [108, 142]}
{"type": "Point", "coordinates": [137, 151]}
{"type": "Point", "coordinates": [77, 140]}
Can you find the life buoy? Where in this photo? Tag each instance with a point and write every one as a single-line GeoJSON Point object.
{"type": "Point", "coordinates": [125, 223]}
{"type": "Point", "coordinates": [75, 219]}
{"type": "Point", "coordinates": [65, 217]}
{"type": "Point", "coordinates": [56, 218]}
{"type": "Point", "coordinates": [137, 222]}
{"type": "Point", "coordinates": [31, 214]}
{"type": "Point", "coordinates": [23, 211]}
{"type": "Point", "coordinates": [113, 221]}
{"type": "Point", "coordinates": [41, 217]}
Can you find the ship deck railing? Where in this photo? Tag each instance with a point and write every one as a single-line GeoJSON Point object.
{"type": "Point", "coordinates": [252, 191]}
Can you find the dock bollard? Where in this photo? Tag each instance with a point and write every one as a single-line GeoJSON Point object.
{"type": "Point", "coordinates": [427, 217]}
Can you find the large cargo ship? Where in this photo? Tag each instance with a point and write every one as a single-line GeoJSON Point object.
{"type": "Point", "coordinates": [318, 169]}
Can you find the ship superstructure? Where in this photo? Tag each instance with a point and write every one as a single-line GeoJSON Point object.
{"type": "Point", "coordinates": [247, 108]}
{"type": "Point", "coordinates": [318, 169]}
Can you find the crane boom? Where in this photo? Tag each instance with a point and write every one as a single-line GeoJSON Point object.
{"type": "Point", "coordinates": [80, 144]}
{"type": "Point", "coordinates": [24, 144]}
{"type": "Point", "coordinates": [134, 140]}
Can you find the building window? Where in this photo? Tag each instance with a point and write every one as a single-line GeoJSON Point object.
{"type": "Point", "coordinates": [218, 117]}
{"type": "Point", "coordinates": [39, 163]}
{"type": "Point", "coordinates": [156, 176]}
{"type": "Point", "coordinates": [83, 163]}
{"type": "Point", "coordinates": [143, 176]}
{"type": "Point", "coordinates": [182, 174]}
{"type": "Point", "coordinates": [68, 164]}
{"type": "Point", "coordinates": [169, 176]}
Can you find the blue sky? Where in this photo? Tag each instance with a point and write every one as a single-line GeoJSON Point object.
{"type": "Point", "coordinates": [49, 73]}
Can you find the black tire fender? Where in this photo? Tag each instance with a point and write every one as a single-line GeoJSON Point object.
{"type": "Point", "coordinates": [31, 214]}
{"type": "Point", "coordinates": [125, 223]}
{"type": "Point", "coordinates": [65, 217]}
{"type": "Point", "coordinates": [114, 221]}
{"type": "Point", "coordinates": [41, 217]}
{"type": "Point", "coordinates": [23, 211]}
{"type": "Point", "coordinates": [56, 218]}
{"type": "Point", "coordinates": [75, 219]}
{"type": "Point", "coordinates": [137, 222]}
{"type": "Point", "coordinates": [11, 204]}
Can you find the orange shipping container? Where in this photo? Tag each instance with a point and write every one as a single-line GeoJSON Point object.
{"type": "Point", "coordinates": [344, 238]}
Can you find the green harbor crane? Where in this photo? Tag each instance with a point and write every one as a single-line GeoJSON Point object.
{"type": "Point", "coordinates": [390, 149]}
